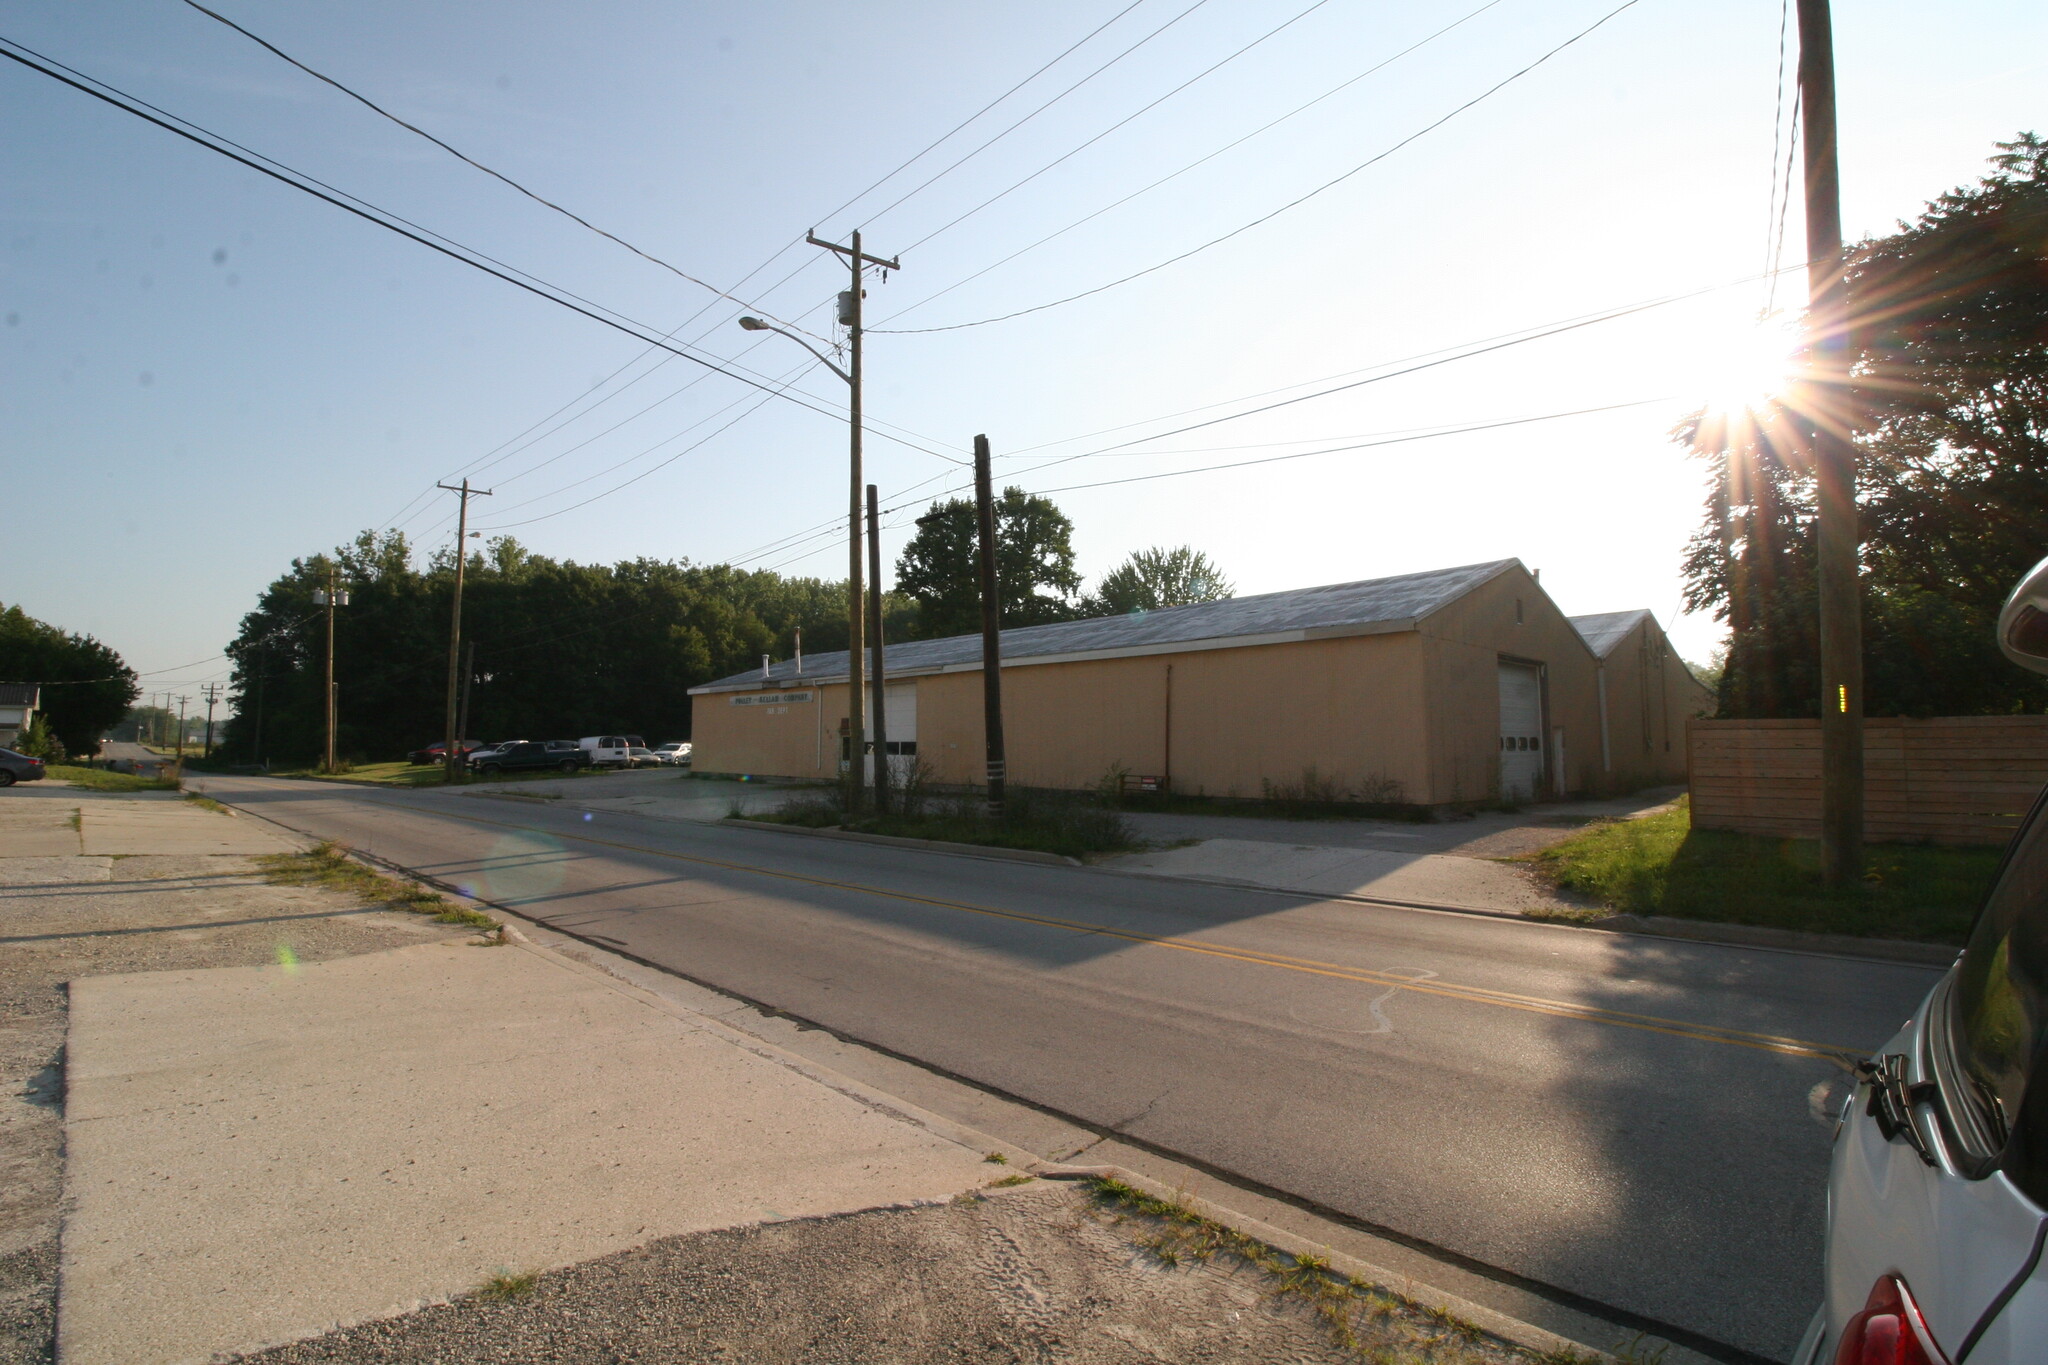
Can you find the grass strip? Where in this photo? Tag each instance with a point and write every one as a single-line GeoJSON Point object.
{"type": "Point", "coordinates": [106, 780]}
{"type": "Point", "coordinates": [1043, 822]}
{"type": "Point", "coordinates": [329, 865]}
{"type": "Point", "coordinates": [1660, 865]}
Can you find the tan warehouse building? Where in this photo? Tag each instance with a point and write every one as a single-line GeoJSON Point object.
{"type": "Point", "coordinates": [1442, 688]}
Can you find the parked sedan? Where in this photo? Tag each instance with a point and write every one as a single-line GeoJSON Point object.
{"type": "Point", "coordinates": [676, 754]}
{"type": "Point", "coordinates": [16, 767]}
{"type": "Point", "coordinates": [432, 753]}
{"type": "Point", "coordinates": [639, 756]}
{"type": "Point", "coordinates": [527, 756]}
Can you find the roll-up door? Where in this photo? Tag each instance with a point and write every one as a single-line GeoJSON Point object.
{"type": "Point", "coordinates": [1521, 732]}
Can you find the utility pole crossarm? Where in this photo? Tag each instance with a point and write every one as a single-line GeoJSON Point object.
{"type": "Point", "coordinates": [813, 239]}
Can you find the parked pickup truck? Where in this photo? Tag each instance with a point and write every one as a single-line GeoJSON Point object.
{"type": "Point", "coordinates": [530, 756]}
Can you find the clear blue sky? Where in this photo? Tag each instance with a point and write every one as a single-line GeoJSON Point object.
{"type": "Point", "coordinates": [207, 374]}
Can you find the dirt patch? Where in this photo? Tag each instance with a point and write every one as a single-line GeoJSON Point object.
{"type": "Point", "coordinates": [1031, 1274]}
{"type": "Point", "coordinates": [67, 917]}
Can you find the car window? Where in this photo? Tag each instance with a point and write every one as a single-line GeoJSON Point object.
{"type": "Point", "coordinates": [1998, 1015]}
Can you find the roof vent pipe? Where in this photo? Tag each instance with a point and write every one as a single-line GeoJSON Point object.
{"type": "Point", "coordinates": [764, 665]}
{"type": "Point", "coordinates": [799, 651]}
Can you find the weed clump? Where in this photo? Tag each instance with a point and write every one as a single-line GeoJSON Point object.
{"type": "Point", "coordinates": [1365, 1319]}
{"type": "Point", "coordinates": [328, 864]}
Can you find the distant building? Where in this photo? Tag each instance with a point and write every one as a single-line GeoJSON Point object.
{"type": "Point", "coordinates": [18, 702]}
{"type": "Point", "coordinates": [1452, 687]}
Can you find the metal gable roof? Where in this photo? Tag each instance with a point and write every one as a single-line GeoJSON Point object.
{"type": "Point", "coordinates": [1395, 603]}
{"type": "Point", "coordinates": [1604, 630]}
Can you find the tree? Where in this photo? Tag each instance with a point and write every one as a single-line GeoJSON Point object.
{"type": "Point", "coordinates": [1035, 577]}
{"type": "Point", "coordinates": [1159, 577]}
{"type": "Point", "coordinates": [1950, 407]}
{"type": "Point", "coordinates": [86, 687]}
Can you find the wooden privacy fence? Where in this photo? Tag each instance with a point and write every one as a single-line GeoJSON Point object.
{"type": "Point", "coordinates": [1945, 780]}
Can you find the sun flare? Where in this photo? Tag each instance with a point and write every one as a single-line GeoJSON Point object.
{"type": "Point", "coordinates": [1747, 367]}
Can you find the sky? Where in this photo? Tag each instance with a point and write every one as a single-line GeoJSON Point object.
{"type": "Point", "coordinates": [207, 374]}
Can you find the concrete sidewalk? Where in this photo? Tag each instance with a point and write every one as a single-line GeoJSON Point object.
{"type": "Point", "coordinates": [1419, 878]}
{"type": "Point", "coordinates": [256, 1155]}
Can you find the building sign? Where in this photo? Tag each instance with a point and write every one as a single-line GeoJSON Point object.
{"type": "Point", "coordinates": [770, 698]}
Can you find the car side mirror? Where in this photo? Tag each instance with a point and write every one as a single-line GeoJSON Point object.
{"type": "Point", "coordinates": [2023, 623]}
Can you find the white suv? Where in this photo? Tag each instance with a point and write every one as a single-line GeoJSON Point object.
{"type": "Point", "coordinates": [1938, 1198]}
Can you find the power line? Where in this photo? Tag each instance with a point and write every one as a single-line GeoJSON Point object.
{"type": "Point", "coordinates": [1275, 459]}
{"type": "Point", "coordinates": [1361, 445]}
{"type": "Point", "coordinates": [1068, 155]}
{"type": "Point", "coordinates": [1200, 161]}
{"type": "Point", "coordinates": [1291, 204]}
{"type": "Point", "coordinates": [370, 213]}
{"type": "Point", "coordinates": [469, 160]}
{"type": "Point", "coordinates": [901, 199]}
{"type": "Point", "coordinates": [971, 118]}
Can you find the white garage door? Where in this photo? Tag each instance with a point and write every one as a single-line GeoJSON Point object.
{"type": "Point", "coordinates": [900, 717]}
{"type": "Point", "coordinates": [1521, 732]}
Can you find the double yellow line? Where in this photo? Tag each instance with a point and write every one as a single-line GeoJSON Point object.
{"type": "Point", "coordinates": [1845, 1057]}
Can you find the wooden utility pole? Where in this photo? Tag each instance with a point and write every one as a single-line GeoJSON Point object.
{"type": "Point", "coordinates": [451, 756]}
{"type": "Point", "coordinates": [850, 317]}
{"type": "Point", "coordinates": [1834, 461]}
{"type": "Point", "coordinates": [468, 677]}
{"type": "Point", "coordinates": [183, 702]}
{"type": "Point", "coordinates": [212, 696]}
{"type": "Point", "coordinates": [991, 629]}
{"type": "Point", "coordinates": [879, 673]}
{"type": "Point", "coordinates": [331, 597]}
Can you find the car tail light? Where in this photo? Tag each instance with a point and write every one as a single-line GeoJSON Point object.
{"type": "Point", "coordinates": [1889, 1330]}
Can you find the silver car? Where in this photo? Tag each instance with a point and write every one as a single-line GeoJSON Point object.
{"type": "Point", "coordinates": [1938, 1197]}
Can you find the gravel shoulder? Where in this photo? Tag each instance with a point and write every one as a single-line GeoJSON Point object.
{"type": "Point", "coordinates": [1037, 1273]}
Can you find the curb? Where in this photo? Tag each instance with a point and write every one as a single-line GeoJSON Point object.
{"type": "Point", "coordinates": [1638, 926]}
{"type": "Point", "coordinates": [1786, 940]}
{"type": "Point", "coordinates": [1511, 1330]}
{"type": "Point", "coordinates": [521, 936]}
{"type": "Point", "coordinates": [1508, 1329]}
{"type": "Point", "coordinates": [1015, 855]}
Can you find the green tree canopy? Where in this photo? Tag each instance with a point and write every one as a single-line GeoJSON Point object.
{"type": "Point", "coordinates": [1159, 577]}
{"type": "Point", "coordinates": [86, 687]}
{"type": "Point", "coordinates": [1950, 402]}
{"type": "Point", "coordinates": [1036, 581]}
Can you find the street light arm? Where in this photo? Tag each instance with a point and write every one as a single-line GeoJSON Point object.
{"type": "Point", "coordinates": [756, 325]}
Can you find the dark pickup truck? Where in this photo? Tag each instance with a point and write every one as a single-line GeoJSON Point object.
{"type": "Point", "coordinates": [530, 756]}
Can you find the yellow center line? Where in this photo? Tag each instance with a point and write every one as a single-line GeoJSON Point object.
{"type": "Point", "coordinates": [1649, 1023]}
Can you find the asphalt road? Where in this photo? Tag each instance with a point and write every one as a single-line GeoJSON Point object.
{"type": "Point", "coordinates": [1641, 1122]}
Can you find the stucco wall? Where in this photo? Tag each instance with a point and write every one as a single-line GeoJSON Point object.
{"type": "Point", "coordinates": [1464, 644]}
{"type": "Point", "coordinates": [1411, 712]}
{"type": "Point", "coordinates": [785, 739]}
{"type": "Point", "coordinates": [1650, 696]}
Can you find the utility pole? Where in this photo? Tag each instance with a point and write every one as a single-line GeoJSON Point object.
{"type": "Point", "coordinates": [256, 738]}
{"type": "Point", "coordinates": [330, 597]}
{"type": "Point", "coordinates": [878, 672]}
{"type": "Point", "coordinates": [468, 677]}
{"type": "Point", "coordinates": [850, 316]}
{"type": "Point", "coordinates": [1834, 461]}
{"type": "Point", "coordinates": [991, 629]}
{"type": "Point", "coordinates": [451, 756]}
{"type": "Point", "coordinates": [212, 696]}
{"type": "Point", "coordinates": [183, 702]}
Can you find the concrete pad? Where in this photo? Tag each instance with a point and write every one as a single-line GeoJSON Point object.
{"type": "Point", "coordinates": [260, 1154]}
{"type": "Point", "coordinates": [132, 827]}
{"type": "Point", "coordinates": [53, 871]}
{"type": "Point", "coordinates": [1434, 879]}
{"type": "Point", "coordinates": [43, 829]}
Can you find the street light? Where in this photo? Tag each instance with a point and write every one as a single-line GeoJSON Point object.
{"type": "Point", "coordinates": [850, 315]}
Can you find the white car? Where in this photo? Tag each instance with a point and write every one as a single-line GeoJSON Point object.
{"type": "Point", "coordinates": [676, 754]}
{"type": "Point", "coordinates": [1938, 1197]}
